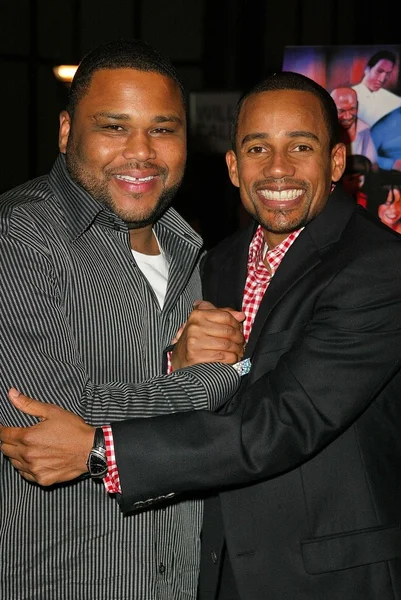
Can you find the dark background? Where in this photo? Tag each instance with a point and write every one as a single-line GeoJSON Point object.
{"type": "Point", "coordinates": [216, 45]}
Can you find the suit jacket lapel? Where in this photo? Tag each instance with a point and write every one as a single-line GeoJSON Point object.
{"type": "Point", "coordinates": [233, 273]}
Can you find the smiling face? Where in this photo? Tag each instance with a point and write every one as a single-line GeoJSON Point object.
{"type": "Point", "coordinates": [390, 211]}
{"type": "Point", "coordinates": [126, 144]}
{"type": "Point", "coordinates": [282, 164]}
{"type": "Point", "coordinates": [376, 76]}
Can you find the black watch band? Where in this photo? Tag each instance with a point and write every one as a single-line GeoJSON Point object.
{"type": "Point", "coordinates": [98, 440]}
{"type": "Point", "coordinates": [97, 460]}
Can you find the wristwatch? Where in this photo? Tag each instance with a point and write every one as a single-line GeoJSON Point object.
{"type": "Point", "coordinates": [97, 461]}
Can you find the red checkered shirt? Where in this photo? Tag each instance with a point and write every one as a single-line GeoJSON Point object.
{"type": "Point", "coordinates": [259, 276]}
{"type": "Point", "coordinates": [112, 479]}
{"type": "Point", "coordinates": [257, 281]}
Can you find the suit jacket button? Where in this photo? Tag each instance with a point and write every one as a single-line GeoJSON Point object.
{"type": "Point", "coordinates": [213, 556]}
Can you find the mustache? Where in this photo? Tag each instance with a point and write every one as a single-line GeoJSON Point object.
{"type": "Point", "coordinates": [136, 166]}
{"type": "Point", "coordinates": [281, 182]}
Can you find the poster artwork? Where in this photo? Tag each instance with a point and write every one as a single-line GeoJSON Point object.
{"type": "Point", "coordinates": [365, 84]}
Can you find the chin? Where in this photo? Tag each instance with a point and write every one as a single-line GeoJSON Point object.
{"type": "Point", "coordinates": [135, 216]}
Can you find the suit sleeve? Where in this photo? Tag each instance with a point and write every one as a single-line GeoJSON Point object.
{"type": "Point", "coordinates": [344, 360]}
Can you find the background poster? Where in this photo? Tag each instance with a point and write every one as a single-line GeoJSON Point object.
{"type": "Point", "coordinates": [365, 83]}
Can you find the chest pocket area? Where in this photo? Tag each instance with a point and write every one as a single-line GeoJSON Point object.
{"type": "Point", "coordinates": [270, 347]}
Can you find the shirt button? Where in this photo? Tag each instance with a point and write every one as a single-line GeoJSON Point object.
{"type": "Point", "coordinates": [162, 568]}
{"type": "Point", "coordinates": [213, 556]}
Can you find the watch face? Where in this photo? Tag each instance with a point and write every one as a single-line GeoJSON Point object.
{"type": "Point", "coordinates": [97, 463]}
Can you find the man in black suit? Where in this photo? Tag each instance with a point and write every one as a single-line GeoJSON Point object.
{"type": "Point", "coordinates": [305, 459]}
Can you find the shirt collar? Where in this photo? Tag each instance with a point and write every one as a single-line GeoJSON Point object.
{"type": "Point", "coordinates": [81, 210]}
{"type": "Point", "coordinates": [258, 251]}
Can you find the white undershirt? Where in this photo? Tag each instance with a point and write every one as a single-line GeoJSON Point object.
{"type": "Point", "coordinates": [155, 269]}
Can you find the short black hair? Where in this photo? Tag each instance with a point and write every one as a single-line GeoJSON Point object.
{"type": "Point", "coordinates": [381, 55]}
{"type": "Point", "coordinates": [286, 80]}
{"type": "Point", "coordinates": [119, 54]}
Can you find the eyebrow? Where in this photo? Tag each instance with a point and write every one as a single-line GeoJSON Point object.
{"type": "Point", "coordinates": [126, 117]}
{"type": "Point", "coordinates": [292, 134]}
{"type": "Point", "coordinates": [168, 119]}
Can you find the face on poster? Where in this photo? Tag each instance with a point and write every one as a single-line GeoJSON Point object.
{"type": "Point", "coordinates": [365, 84]}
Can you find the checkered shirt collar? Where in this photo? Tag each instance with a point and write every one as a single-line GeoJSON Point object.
{"type": "Point", "coordinates": [258, 248]}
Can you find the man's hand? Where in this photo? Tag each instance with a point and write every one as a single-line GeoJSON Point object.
{"type": "Point", "coordinates": [52, 451]}
{"type": "Point", "coordinates": [210, 335]}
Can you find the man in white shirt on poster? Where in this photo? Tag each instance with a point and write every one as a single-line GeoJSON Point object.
{"type": "Point", "coordinates": [380, 109]}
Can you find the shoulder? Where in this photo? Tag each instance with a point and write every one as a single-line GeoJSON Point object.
{"type": "Point", "coordinates": [23, 200]}
{"type": "Point", "coordinates": [373, 243]}
{"type": "Point", "coordinates": [386, 94]}
{"type": "Point", "coordinates": [358, 87]}
{"type": "Point", "coordinates": [364, 95]}
{"type": "Point", "coordinates": [362, 127]}
{"type": "Point", "coordinates": [176, 226]}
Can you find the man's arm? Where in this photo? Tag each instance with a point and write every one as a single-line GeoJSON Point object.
{"type": "Point", "coordinates": [341, 364]}
{"type": "Point", "coordinates": [44, 452]}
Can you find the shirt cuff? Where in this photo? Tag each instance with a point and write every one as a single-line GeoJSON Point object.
{"type": "Point", "coordinates": [112, 479]}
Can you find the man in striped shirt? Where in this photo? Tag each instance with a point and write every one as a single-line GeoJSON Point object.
{"type": "Point", "coordinates": [97, 276]}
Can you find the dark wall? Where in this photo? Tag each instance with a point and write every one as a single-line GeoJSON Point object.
{"type": "Point", "coordinates": [215, 45]}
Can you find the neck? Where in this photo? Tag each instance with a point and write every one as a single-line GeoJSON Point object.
{"type": "Point", "coordinates": [144, 241]}
{"type": "Point", "coordinates": [273, 239]}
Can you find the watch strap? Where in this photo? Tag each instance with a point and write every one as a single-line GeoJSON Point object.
{"type": "Point", "coordinates": [97, 459]}
{"type": "Point", "coordinates": [98, 440]}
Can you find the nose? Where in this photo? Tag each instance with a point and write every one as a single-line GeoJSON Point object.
{"type": "Point", "coordinates": [139, 147]}
{"type": "Point", "coordinates": [278, 165]}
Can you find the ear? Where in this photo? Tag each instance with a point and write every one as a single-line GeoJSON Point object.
{"type": "Point", "coordinates": [64, 131]}
{"type": "Point", "coordinates": [338, 158]}
{"type": "Point", "coordinates": [232, 165]}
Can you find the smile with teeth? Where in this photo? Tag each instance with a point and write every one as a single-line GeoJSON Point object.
{"type": "Point", "coordinates": [130, 179]}
{"type": "Point", "coordinates": [281, 195]}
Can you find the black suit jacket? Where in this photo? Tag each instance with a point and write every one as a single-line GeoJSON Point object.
{"type": "Point", "coordinates": [306, 456]}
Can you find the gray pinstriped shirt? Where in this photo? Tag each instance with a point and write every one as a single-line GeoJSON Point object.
{"type": "Point", "coordinates": [81, 326]}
